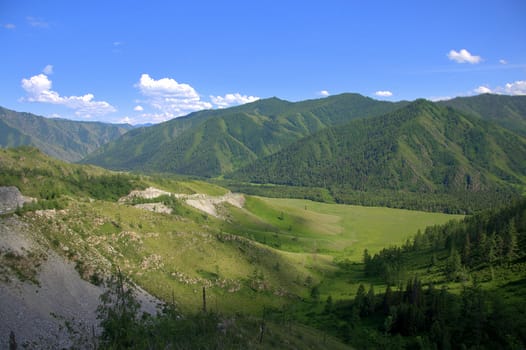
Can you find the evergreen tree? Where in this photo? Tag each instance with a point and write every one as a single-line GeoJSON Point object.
{"type": "Point", "coordinates": [370, 302]}
{"type": "Point", "coordinates": [453, 265]}
{"type": "Point", "coordinates": [367, 260]}
{"type": "Point", "coordinates": [388, 300]}
{"type": "Point", "coordinates": [329, 305]}
{"type": "Point", "coordinates": [466, 250]}
{"type": "Point", "coordinates": [118, 314]}
{"type": "Point", "coordinates": [510, 242]}
{"type": "Point", "coordinates": [359, 299]}
{"type": "Point", "coordinates": [315, 293]}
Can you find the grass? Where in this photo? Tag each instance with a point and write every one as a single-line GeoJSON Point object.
{"type": "Point", "coordinates": [269, 254]}
{"type": "Point", "coordinates": [307, 226]}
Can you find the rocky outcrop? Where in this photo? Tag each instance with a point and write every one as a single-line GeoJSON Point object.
{"type": "Point", "coordinates": [203, 202]}
{"type": "Point", "coordinates": [41, 291]}
{"type": "Point", "coordinates": [11, 199]}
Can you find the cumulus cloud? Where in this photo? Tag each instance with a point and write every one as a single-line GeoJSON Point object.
{"type": "Point", "coordinates": [171, 98]}
{"type": "Point", "coordinates": [138, 108]}
{"type": "Point", "coordinates": [483, 90]}
{"type": "Point", "coordinates": [383, 93]}
{"type": "Point", "coordinates": [48, 70]}
{"type": "Point", "coordinates": [324, 93]}
{"type": "Point", "coordinates": [439, 98]}
{"type": "Point", "coordinates": [516, 88]}
{"type": "Point", "coordinates": [38, 88]}
{"type": "Point", "coordinates": [503, 61]}
{"type": "Point", "coordinates": [126, 120]}
{"type": "Point", "coordinates": [232, 100]}
{"type": "Point", "coordinates": [463, 56]}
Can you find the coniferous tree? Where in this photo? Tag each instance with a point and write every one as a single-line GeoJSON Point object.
{"type": "Point", "coordinates": [359, 299]}
{"type": "Point", "coordinates": [510, 242]}
{"type": "Point", "coordinates": [453, 265]}
{"type": "Point", "coordinates": [466, 250]}
{"type": "Point", "coordinates": [388, 300]}
{"type": "Point", "coordinates": [370, 302]}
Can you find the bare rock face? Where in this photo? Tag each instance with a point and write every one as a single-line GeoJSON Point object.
{"type": "Point", "coordinates": [41, 292]}
{"type": "Point", "coordinates": [11, 198]}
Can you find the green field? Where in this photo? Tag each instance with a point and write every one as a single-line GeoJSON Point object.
{"type": "Point", "coordinates": [335, 229]}
{"type": "Point", "coordinates": [273, 259]}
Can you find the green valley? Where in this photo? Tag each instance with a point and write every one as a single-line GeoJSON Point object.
{"type": "Point", "coordinates": [335, 223]}
{"type": "Point", "coordinates": [268, 255]}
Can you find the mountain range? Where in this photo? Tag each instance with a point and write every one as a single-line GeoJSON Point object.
{"type": "Point", "coordinates": [212, 143]}
{"type": "Point", "coordinates": [467, 147]}
{"type": "Point", "coordinates": [60, 138]}
{"type": "Point", "coordinates": [420, 148]}
{"type": "Point", "coordinates": [507, 111]}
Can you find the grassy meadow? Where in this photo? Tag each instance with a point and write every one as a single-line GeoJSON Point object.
{"type": "Point", "coordinates": [335, 229]}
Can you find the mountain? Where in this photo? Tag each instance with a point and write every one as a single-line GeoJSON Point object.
{"type": "Point", "coordinates": [507, 111]}
{"type": "Point", "coordinates": [63, 139]}
{"type": "Point", "coordinates": [420, 148]}
{"type": "Point", "coordinates": [211, 143]}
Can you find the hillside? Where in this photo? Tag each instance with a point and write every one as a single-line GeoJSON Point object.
{"type": "Point", "coordinates": [260, 257]}
{"type": "Point", "coordinates": [454, 286]}
{"type": "Point", "coordinates": [282, 265]}
{"type": "Point", "coordinates": [421, 148]}
{"type": "Point", "coordinates": [507, 111]}
{"type": "Point", "coordinates": [211, 143]}
{"type": "Point", "coordinates": [60, 138]}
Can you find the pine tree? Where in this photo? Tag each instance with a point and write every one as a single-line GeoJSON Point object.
{"type": "Point", "coordinates": [118, 313]}
{"type": "Point", "coordinates": [359, 299]}
{"type": "Point", "coordinates": [329, 306]}
{"type": "Point", "coordinates": [370, 302]}
{"type": "Point", "coordinates": [453, 265]}
{"type": "Point", "coordinates": [388, 300]}
{"type": "Point", "coordinates": [466, 251]}
{"type": "Point", "coordinates": [367, 261]}
{"type": "Point", "coordinates": [510, 242]}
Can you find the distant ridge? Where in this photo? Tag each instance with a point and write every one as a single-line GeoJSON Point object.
{"type": "Point", "coordinates": [216, 142]}
{"type": "Point", "coordinates": [507, 111]}
{"type": "Point", "coordinates": [420, 148]}
{"type": "Point", "coordinates": [60, 138]}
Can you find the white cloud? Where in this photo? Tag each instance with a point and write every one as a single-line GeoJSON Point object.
{"type": "Point", "coordinates": [38, 88]}
{"type": "Point", "coordinates": [503, 62]}
{"type": "Point", "coordinates": [48, 70]}
{"type": "Point", "coordinates": [126, 120]}
{"type": "Point", "coordinates": [232, 100]}
{"type": "Point", "coordinates": [439, 98]}
{"type": "Point", "coordinates": [138, 108]}
{"type": "Point", "coordinates": [9, 26]}
{"type": "Point", "coordinates": [483, 90]}
{"type": "Point", "coordinates": [165, 87]}
{"type": "Point", "coordinates": [324, 93]}
{"type": "Point", "coordinates": [384, 93]}
{"type": "Point", "coordinates": [171, 98]}
{"type": "Point", "coordinates": [463, 56]}
{"type": "Point", "coordinates": [516, 88]}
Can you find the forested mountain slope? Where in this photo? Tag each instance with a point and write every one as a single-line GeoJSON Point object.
{"type": "Point", "coordinates": [507, 111]}
{"type": "Point", "coordinates": [63, 139]}
{"type": "Point", "coordinates": [421, 148]}
{"type": "Point", "coordinates": [211, 143]}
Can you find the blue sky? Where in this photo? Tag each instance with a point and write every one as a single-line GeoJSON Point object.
{"type": "Point", "coordinates": [149, 61]}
